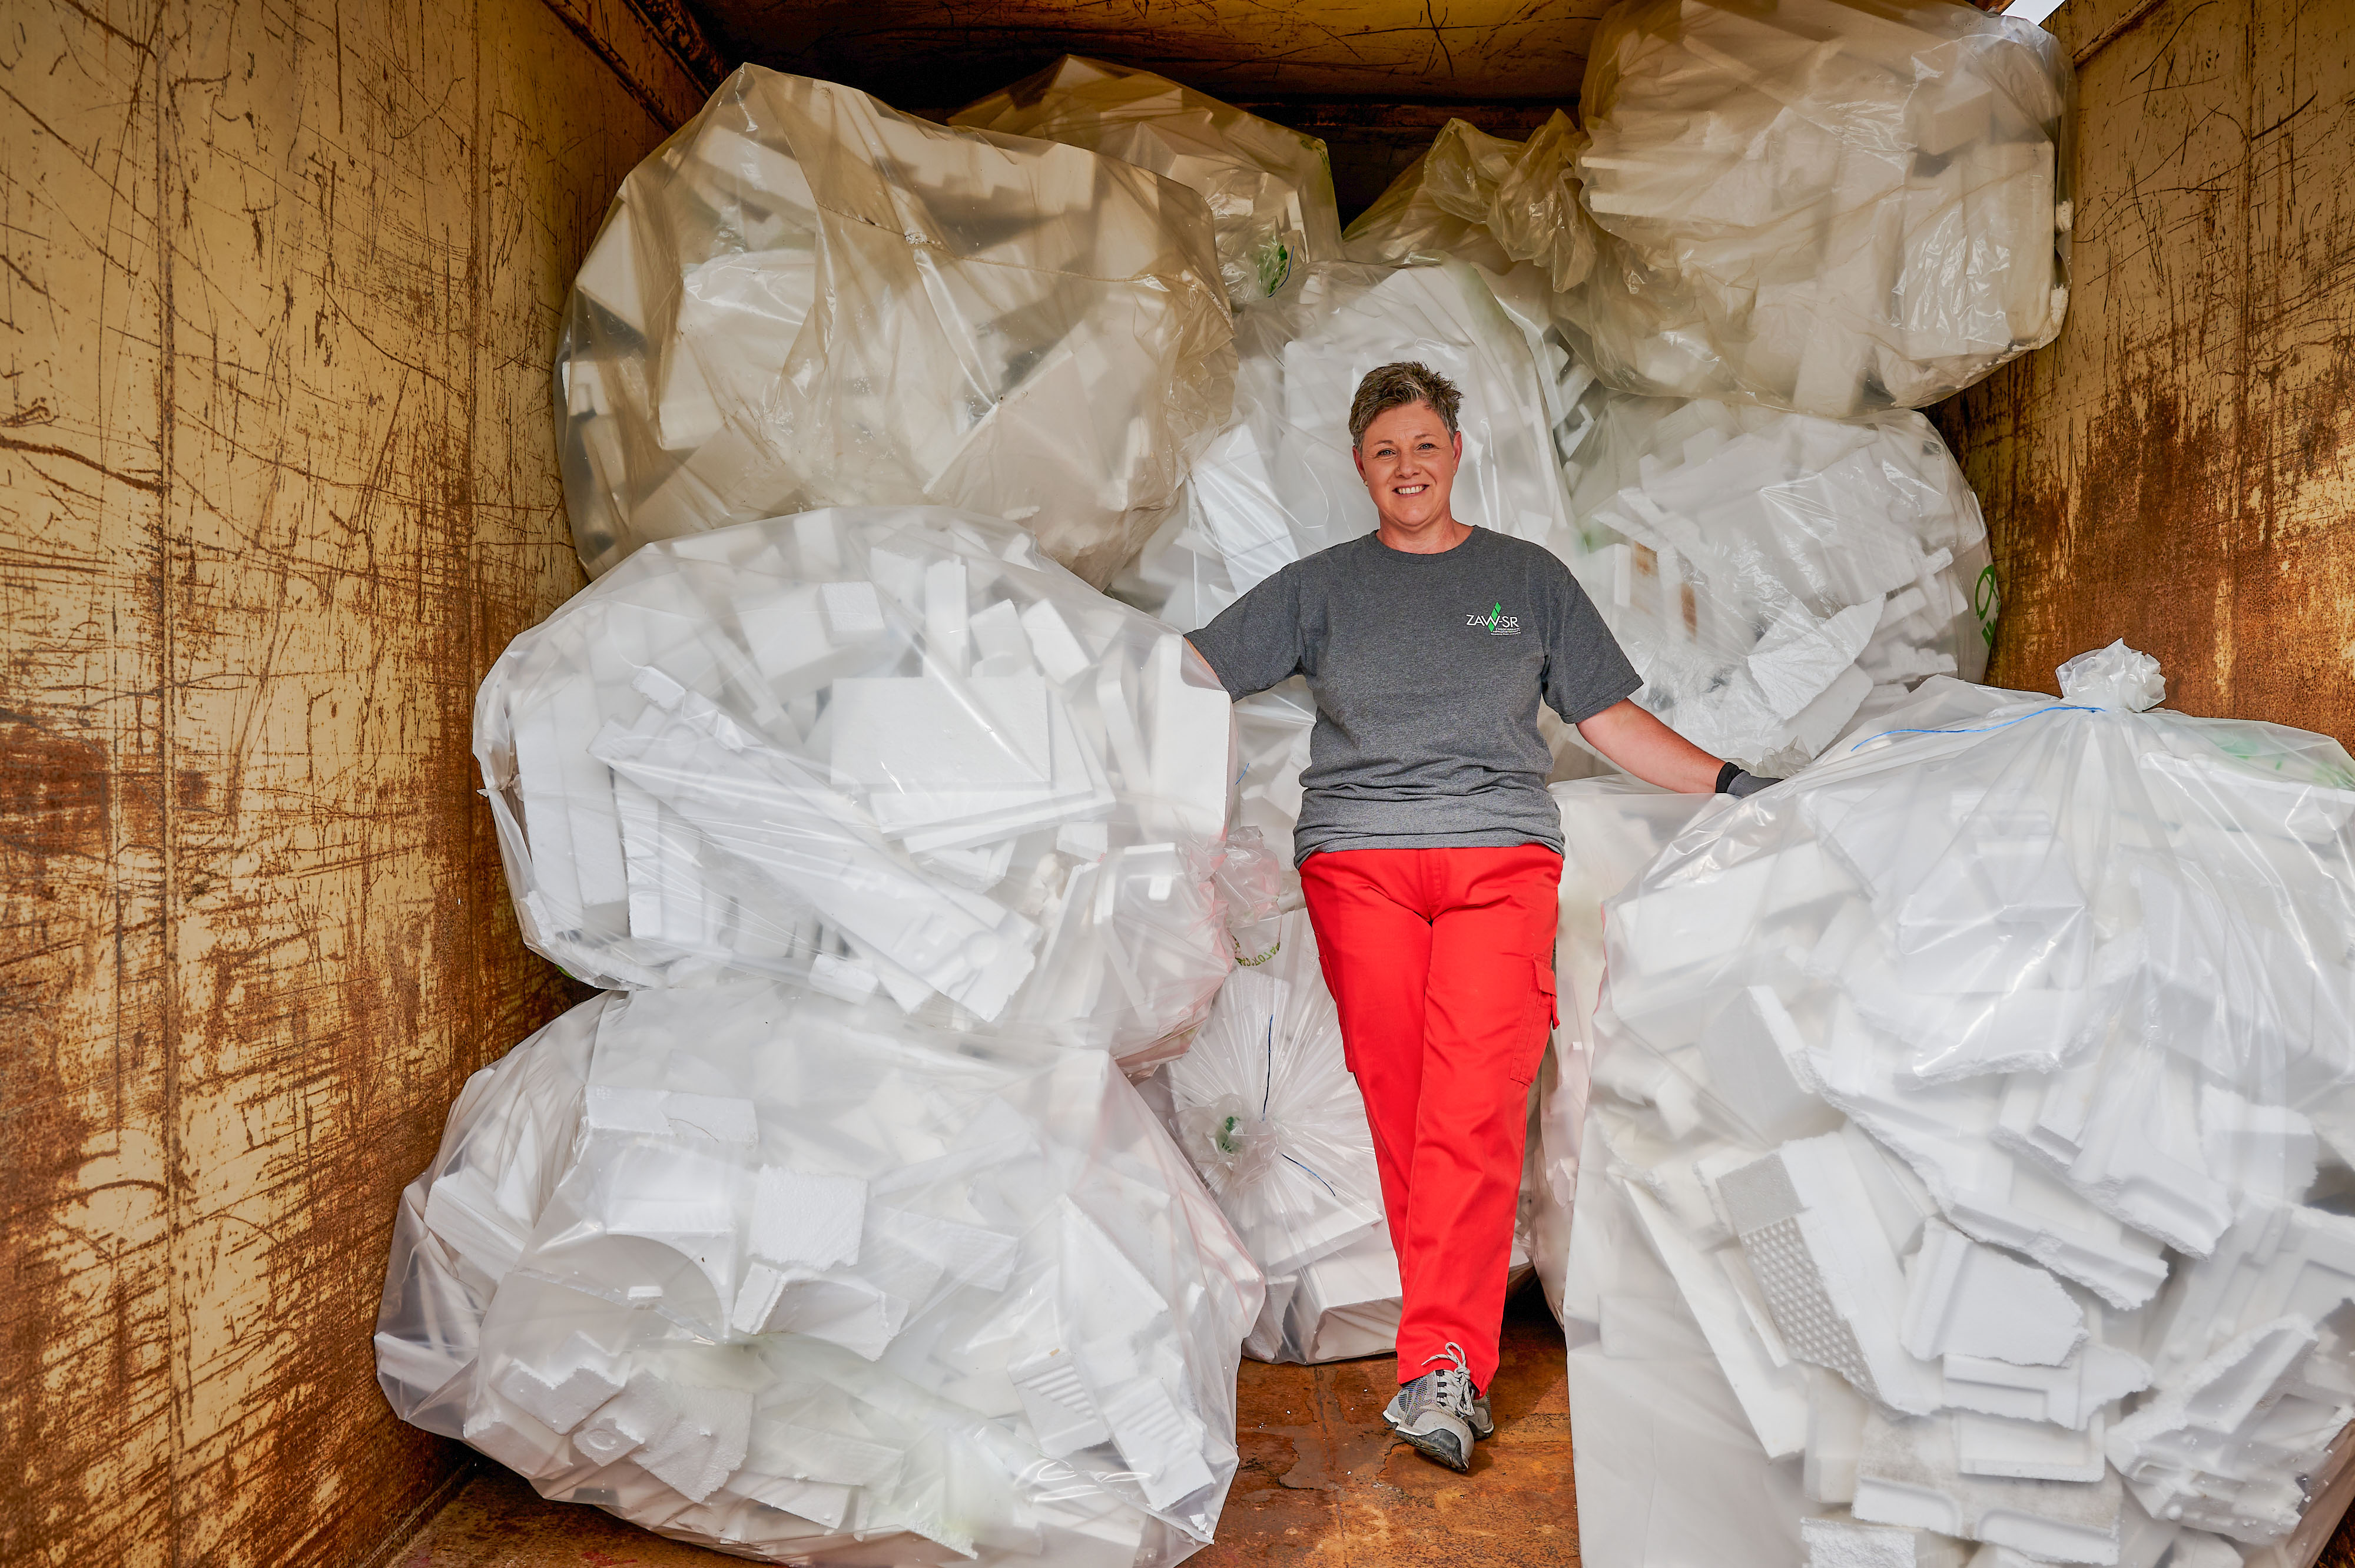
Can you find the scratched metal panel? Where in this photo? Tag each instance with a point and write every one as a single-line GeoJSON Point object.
{"type": "Point", "coordinates": [270, 503]}
{"type": "Point", "coordinates": [918, 52]}
{"type": "Point", "coordinates": [2173, 469]}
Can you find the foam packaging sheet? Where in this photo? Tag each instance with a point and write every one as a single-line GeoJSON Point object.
{"type": "Point", "coordinates": [737, 1265]}
{"type": "Point", "coordinates": [1279, 483]}
{"type": "Point", "coordinates": [1829, 206]}
{"type": "Point", "coordinates": [893, 752]}
{"type": "Point", "coordinates": [805, 299]}
{"type": "Point", "coordinates": [1269, 189]}
{"type": "Point", "coordinates": [1768, 572]}
{"type": "Point", "coordinates": [1967, 1170]}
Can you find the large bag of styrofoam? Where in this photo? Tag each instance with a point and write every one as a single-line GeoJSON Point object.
{"type": "Point", "coordinates": [1967, 1156]}
{"type": "Point", "coordinates": [1279, 483]}
{"type": "Point", "coordinates": [807, 299]}
{"type": "Point", "coordinates": [1611, 828]}
{"type": "Point", "coordinates": [895, 751]}
{"type": "Point", "coordinates": [1765, 571]}
{"type": "Point", "coordinates": [1852, 204]}
{"type": "Point", "coordinates": [1264, 1106]}
{"type": "Point", "coordinates": [735, 1264]}
{"type": "Point", "coordinates": [1269, 189]}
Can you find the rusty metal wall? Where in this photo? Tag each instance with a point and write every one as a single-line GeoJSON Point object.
{"type": "Point", "coordinates": [278, 288]}
{"type": "Point", "coordinates": [949, 52]}
{"type": "Point", "coordinates": [2174, 468]}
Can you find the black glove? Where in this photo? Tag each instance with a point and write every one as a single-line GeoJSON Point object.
{"type": "Point", "coordinates": [1732, 781]}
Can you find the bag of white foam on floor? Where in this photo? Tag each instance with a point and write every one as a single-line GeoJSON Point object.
{"type": "Point", "coordinates": [1969, 1158]}
{"type": "Point", "coordinates": [736, 1265]}
{"type": "Point", "coordinates": [805, 298]}
{"type": "Point", "coordinates": [893, 752]}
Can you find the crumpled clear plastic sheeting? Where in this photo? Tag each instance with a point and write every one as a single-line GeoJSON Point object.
{"type": "Point", "coordinates": [893, 751]}
{"type": "Point", "coordinates": [1269, 189]}
{"type": "Point", "coordinates": [1611, 829]}
{"type": "Point", "coordinates": [806, 299]}
{"type": "Point", "coordinates": [1765, 571]}
{"type": "Point", "coordinates": [811, 1292]}
{"type": "Point", "coordinates": [1279, 484]}
{"type": "Point", "coordinates": [1866, 201]}
{"type": "Point", "coordinates": [1970, 1151]}
{"type": "Point", "coordinates": [1489, 200]}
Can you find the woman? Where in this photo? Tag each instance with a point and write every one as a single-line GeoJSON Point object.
{"type": "Point", "coordinates": [1431, 854]}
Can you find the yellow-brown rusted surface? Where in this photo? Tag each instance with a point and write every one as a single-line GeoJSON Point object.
{"type": "Point", "coordinates": [278, 290]}
{"type": "Point", "coordinates": [918, 52]}
{"type": "Point", "coordinates": [2174, 469]}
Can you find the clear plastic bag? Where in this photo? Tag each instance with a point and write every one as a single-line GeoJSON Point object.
{"type": "Point", "coordinates": [812, 1292]}
{"type": "Point", "coordinates": [1278, 484]}
{"type": "Point", "coordinates": [1269, 189]}
{"type": "Point", "coordinates": [1969, 1150]}
{"type": "Point", "coordinates": [1765, 571]}
{"type": "Point", "coordinates": [1265, 1107]}
{"type": "Point", "coordinates": [894, 752]}
{"type": "Point", "coordinates": [1830, 205]}
{"type": "Point", "coordinates": [805, 299]}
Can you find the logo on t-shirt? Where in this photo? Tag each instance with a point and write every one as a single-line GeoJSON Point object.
{"type": "Point", "coordinates": [1496, 623]}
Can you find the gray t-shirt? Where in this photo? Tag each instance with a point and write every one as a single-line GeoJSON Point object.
{"type": "Point", "coordinates": [1427, 671]}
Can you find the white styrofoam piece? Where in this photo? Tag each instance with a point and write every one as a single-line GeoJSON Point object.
{"type": "Point", "coordinates": [1910, 1475]}
{"type": "Point", "coordinates": [1964, 1299]}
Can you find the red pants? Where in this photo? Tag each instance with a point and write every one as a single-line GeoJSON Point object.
{"type": "Point", "coordinates": [1441, 964]}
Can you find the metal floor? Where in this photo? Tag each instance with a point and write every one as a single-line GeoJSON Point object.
{"type": "Point", "coordinates": [1321, 1483]}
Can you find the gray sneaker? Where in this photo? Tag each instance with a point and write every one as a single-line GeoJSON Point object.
{"type": "Point", "coordinates": [1434, 1414]}
{"type": "Point", "coordinates": [1481, 1423]}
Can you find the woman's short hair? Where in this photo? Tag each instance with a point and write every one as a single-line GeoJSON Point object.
{"type": "Point", "coordinates": [1394, 386]}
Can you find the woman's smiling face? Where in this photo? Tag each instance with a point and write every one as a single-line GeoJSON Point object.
{"type": "Point", "coordinates": [1408, 460]}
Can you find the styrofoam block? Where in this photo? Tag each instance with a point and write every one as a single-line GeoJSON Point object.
{"type": "Point", "coordinates": [1944, 1132]}
{"type": "Point", "coordinates": [1771, 1391]}
{"type": "Point", "coordinates": [817, 1502]}
{"type": "Point", "coordinates": [461, 1209]}
{"type": "Point", "coordinates": [1748, 1050]}
{"type": "Point", "coordinates": [1063, 1415]}
{"type": "Point", "coordinates": [1843, 1543]}
{"type": "Point", "coordinates": [609, 273]}
{"type": "Point", "coordinates": [806, 1219]}
{"type": "Point", "coordinates": [698, 1449]}
{"type": "Point", "coordinates": [568, 801]}
{"type": "Point", "coordinates": [2223, 1446]}
{"type": "Point", "coordinates": [1910, 1475]}
{"type": "Point", "coordinates": [2123, 1129]}
{"type": "Point", "coordinates": [1161, 1441]}
{"type": "Point", "coordinates": [2028, 1450]}
{"type": "Point", "coordinates": [829, 1457]}
{"type": "Point", "coordinates": [2276, 1261]}
{"type": "Point", "coordinates": [1836, 1413]}
{"type": "Point", "coordinates": [562, 1391]}
{"type": "Point", "coordinates": [1189, 725]}
{"type": "Point", "coordinates": [1817, 1249]}
{"type": "Point", "coordinates": [855, 1313]}
{"type": "Point", "coordinates": [641, 1414]}
{"type": "Point", "coordinates": [505, 1434]}
{"type": "Point", "coordinates": [2070, 1395]}
{"type": "Point", "coordinates": [764, 808]}
{"type": "Point", "coordinates": [1058, 650]}
{"type": "Point", "coordinates": [973, 1254]}
{"type": "Point", "coordinates": [1967, 1299]}
{"type": "Point", "coordinates": [722, 1118]}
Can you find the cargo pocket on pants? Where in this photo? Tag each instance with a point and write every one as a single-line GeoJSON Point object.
{"type": "Point", "coordinates": [1529, 1054]}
